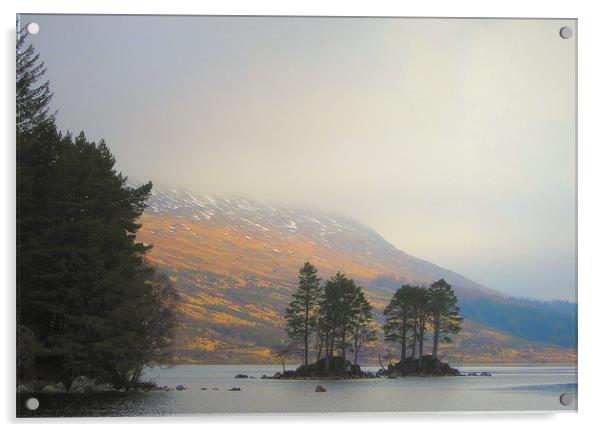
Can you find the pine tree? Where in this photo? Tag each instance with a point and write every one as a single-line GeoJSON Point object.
{"type": "Point", "coordinates": [420, 315]}
{"type": "Point", "coordinates": [344, 315]}
{"type": "Point", "coordinates": [349, 307]}
{"type": "Point", "coordinates": [87, 301]}
{"type": "Point", "coordinates": [38, 148]}
{"type": "Point", "coordinates": [397, 318]}
{"type": "Point", "coordinates": [443, 313]}
{"type": "Point", "coordinates": [331, 312]}
{"type": "Point", "coordinates": [364, 332]}
{"type": "Point", "coordinates": [33, 96]}
{"type": "Point", "coordinates": [301, 313]}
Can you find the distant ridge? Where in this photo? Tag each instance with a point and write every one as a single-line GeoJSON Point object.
{"type": "Point", "coordinates": [328, 230]}
{"type": "Point", "coordinates": [236, 262]}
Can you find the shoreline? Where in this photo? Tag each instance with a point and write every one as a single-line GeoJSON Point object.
{"type": "Point", "coordinates": [462, 365]}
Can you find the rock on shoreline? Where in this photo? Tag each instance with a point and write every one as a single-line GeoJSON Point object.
{"type": "Point", "coordinates": [83, 385]}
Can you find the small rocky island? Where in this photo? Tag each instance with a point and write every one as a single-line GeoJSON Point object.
{"type": "Point", "coordinates": [337, 368]}
{"type": "Point", "coordinates": [426, 366]}
{"type": "Point", "coordinates": [337, 316]}
{"type": "Point", "coordinates": [332, 368]}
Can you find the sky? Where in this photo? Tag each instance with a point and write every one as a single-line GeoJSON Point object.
{"type": "Point", "coordinates": [452, 138]}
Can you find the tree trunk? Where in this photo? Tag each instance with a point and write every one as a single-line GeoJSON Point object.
{"type": "Point", "coordinates": [355, 347]}
{"type": "Point", "coordinates": [435, 337]}
{"type": "Point", "coordinates": [381, 363]}
{"type": "Point", "coordinates": [404, 337]}
{"type": "Point", "coordinates": [136, 374]}
{"type": "Point", "coordinates": [421, 344]}
{"type": "Point", "coordinates": [329, 353]}
{"type": "Point", "coordinates": [320, 348]}
{"type": "Point", "coordinates": [306, 335]}
{"type": "Point", "coordinates": [414, 338]}
{"type": "Point", "coordinates": [332, 337]}
{"type": "Point", "coordinates": [306, 340]}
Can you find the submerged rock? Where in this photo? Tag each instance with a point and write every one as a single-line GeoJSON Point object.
{"type": "Point", "coordinates": [320, 389]}
{"type": "Point", "coordinates": [241, 376]}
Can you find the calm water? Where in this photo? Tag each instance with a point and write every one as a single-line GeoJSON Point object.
{"type": "Point", "coordinates": [509, 389]}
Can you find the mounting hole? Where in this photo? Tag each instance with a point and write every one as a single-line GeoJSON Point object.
{"type": "Point", "coordinates": [566, 32]}
{"type": "Point", "coordinates": [566, 399]}
{"type": "Point", "coordinates": [33, 28]}
{"type": "Point", "coordinates": [32, 404]}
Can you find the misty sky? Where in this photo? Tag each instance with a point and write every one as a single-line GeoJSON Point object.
{"type": "Point", "coordinates": [454, 139]}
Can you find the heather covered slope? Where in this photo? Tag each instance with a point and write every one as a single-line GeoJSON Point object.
{"type": "Point", "coordinates": [236, 262]}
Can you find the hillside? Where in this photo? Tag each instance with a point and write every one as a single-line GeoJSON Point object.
{"type": "Point", "coordinates": [235, 262]}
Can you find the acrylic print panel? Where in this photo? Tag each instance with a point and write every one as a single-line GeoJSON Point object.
{"type": "Point", "coordinates": [295, 214]}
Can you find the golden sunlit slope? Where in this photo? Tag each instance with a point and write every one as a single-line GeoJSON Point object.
{"type": "Point", "coordinates": [236, 262]}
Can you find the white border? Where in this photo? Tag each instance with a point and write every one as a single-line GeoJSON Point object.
{"type": "Point", "coordinates": [590, 214]}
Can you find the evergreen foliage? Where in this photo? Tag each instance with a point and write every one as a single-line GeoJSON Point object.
{"type": "Point", "coordinates": [364, 331]}
{"type": "Point", "coordinates": [344, 316]}
{"type": "Point", "coordinates": [413, 308]}
{"type": "Point", "coordinates": [398, 322]}
{"type": "Point", "coordinates": [301, 313]}
{"type": "Point", "coordinates": [337, 316]}
{"type": "Point", "coordinates": [33, 96]}
{"type": "Point", "coordinates": [88, 303]}
{"type": "Point", "coordinates": [443, 312]}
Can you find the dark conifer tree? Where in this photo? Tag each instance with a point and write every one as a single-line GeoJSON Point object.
{"type": "Point", "coordinates": [87, 302]}
{"type": "Point", "coordinates": [444, 313]}
{"type": "Point", "coordinates": [364, 332]}
{"type": "Point", "coordinates": [420, 317]}
{"type": "Point", "coordinates": [38, 149]}
{"type": "Point", "coordinates": [397, 318]}
{"type": "Point", "coordinates": [349, 307]}
{"type": "Point", "coordinates": [332, 311]}
{"type": "Point", "coordinates": [33, 94]}
{"type": "Point", "coordinates": [301, 313]}
{"type": "Point", "coordinates": [344, 317]}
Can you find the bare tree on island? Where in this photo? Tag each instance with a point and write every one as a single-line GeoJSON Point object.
{"type": "Point", "coordinates": [281, 354]}
{"type": "Point", "coordinates": [301, 313]}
